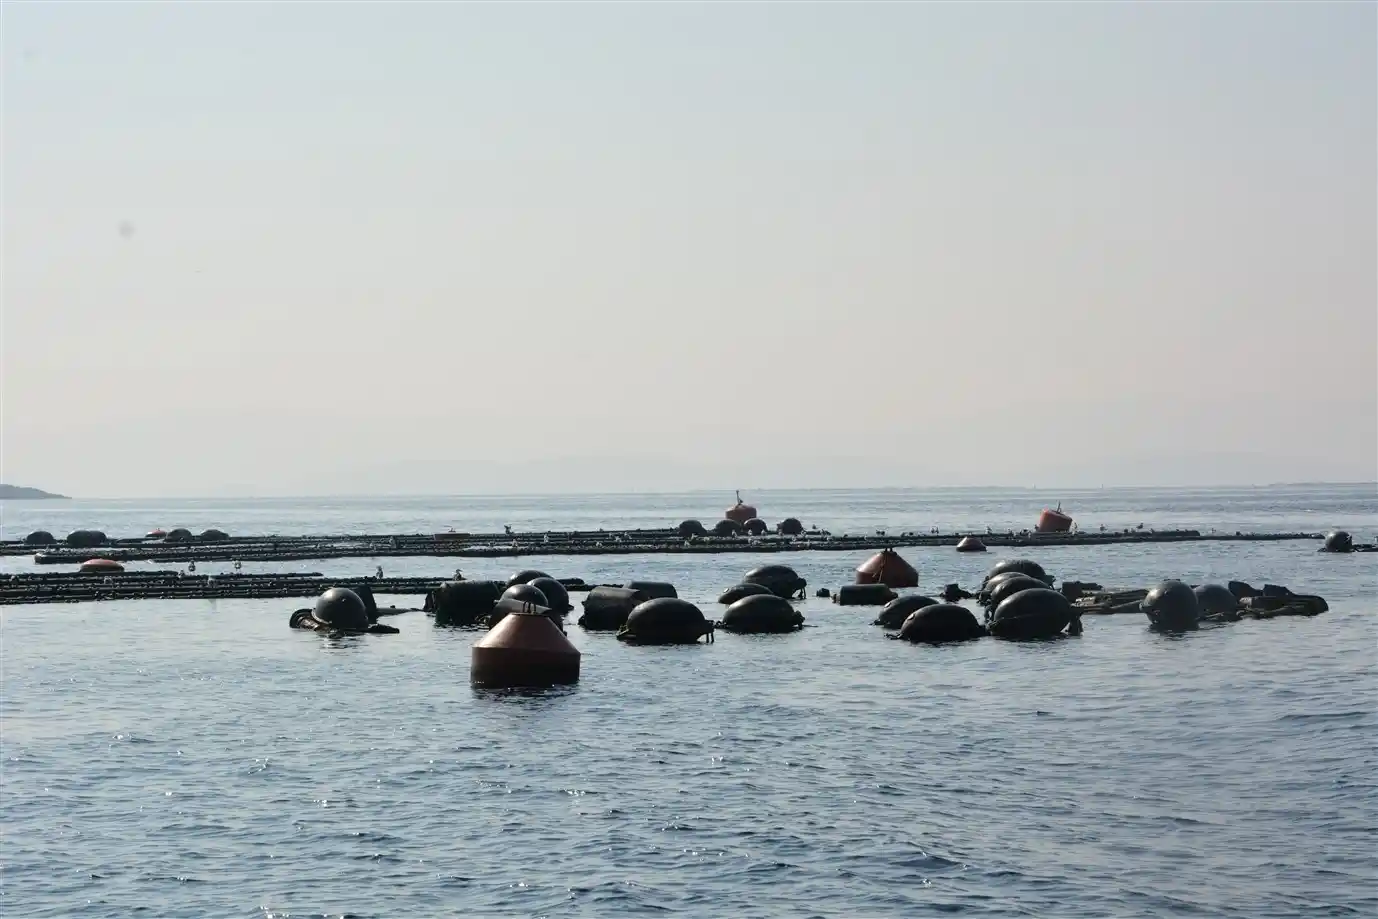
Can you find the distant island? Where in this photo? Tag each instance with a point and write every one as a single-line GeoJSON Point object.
{"type": "Point", "coordinates": [20, 493]}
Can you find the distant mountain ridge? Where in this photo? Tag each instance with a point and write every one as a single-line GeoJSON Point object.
{"type": "Point", "coordinates": [20, 493]}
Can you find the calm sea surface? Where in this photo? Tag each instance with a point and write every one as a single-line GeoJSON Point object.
{"type": "Point", "coordinates": [198, 759]}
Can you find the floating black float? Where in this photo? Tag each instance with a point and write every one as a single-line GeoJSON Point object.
{"type": "Point", "coordinates": [524, 595]}
{"type": "Point", "coordinates": [606, 608]}
{"type": "Point", "coordinates": [690, 528]}
{"type": "Point", "coordinates": [340, 611]}
{"type": "Point", "coordinates": [756, 527]}
{"type": "Point", "coordinates": [178, 534]}
{"type": "Point", "coordinates": [1171, 607]}
{"type": "Point", "coordinates": [1038, 612]}
{"type": "Point", "coordinates": [1009, 586]}
{"type": "Point", "coordinates": [653, 590]}
{"type": "Point", "coordinates": [941, 622]}
{"type": "Point", "coordinates": [739, 591]}
{"type": "Point", "coordinates": [863, 595]}
{"type": "Point", "coordinates": [556, 596]}
{"type": "Point", "coordinates": [762, 613]}
{"type": "Point", "coordinates": [970, 544]}
{"type": "Point", "coordinates": [1215, 600]}
{"type": "Point", "coordinates": [790, 526]}
{"type": "Point", "coordinates": [665, 621]}
{"type": "Point", "coordinates": [1338, 541]}
{"type": "Point", "coordinates": [464, 602]}
{"type": "Point", "coordinates": [1022, 566]}
{"type": "Point", "coordinates": [525, 577]}
{"type": "Point", "coordinates": [526, 648]}
{"type": "Point", "coordinates": [781, 580]}
{"type": "Point", "coordinates": [213, 535]}
{"type": "Point", "coordinates": [728, 528]}
{"type": "Point", "coordinates": [85, 539]}
{"type": "Point", "coordinates": [40, 538]}
{"type": "Point", "coordinates": [893, 614]}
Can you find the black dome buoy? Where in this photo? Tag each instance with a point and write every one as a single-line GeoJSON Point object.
{"type": "Point", "coordinates": [1338, 541]}
{"type": "Point", "coordinates": [85, 539]}
{"type": "Point", "coordinates": [39, 538]}
{"type": "Point", "coordinates": [740, 591]}
{"type": "Point", "coordinates": [1215, 600]}
{"type": "Point", "coordinates": [1038, 612]}
{"type": "Point", "coordinates": [214, 535]}
{"type": "Point", "coordinates": [941, 622]}
{"type": "Point", "coordinates": [728, 528]}
{"type": "Point", "coordinates": [665, 621]}
{"type": "Point", "coordinates": [864, 595]}
{"type": "Point", "coordinates": [1023, 566]}
{"type": "Point", "coordinates": [464, 603]}
{"type": "Point", "coordinates": [606, 608]}
{"type": "Point", "coordinates": [756, 527]}
{"type": "Point", "coordinates": [781, 580]}
{"type": "Point", "coordinates": [1008, 587]}
{"type": "Point", "coordinates": [525, 593]}
{"type": "Point", "coordinates": [692, 528]}
{"type": "Point", "coordinates": [526, 577]}
{"type": "Point", "coordinates": [653, 590]}
{"type": "Point", "coordinates": [341, 609]}
{"type": "Point", "coordinates": [790, 526]}
{"type": "Point", "coordinates": [970, 544]}
{"type": "Point", "coordinates": [893, 614]}
{"type": "Point", "coordinates": [762, 614]}
{"type": "Point", "coordinates": [178, 534]}
{"type": "Point", "coordinates": [1171, 607]}
{"type": "Point", "coordinates": [557, 598]}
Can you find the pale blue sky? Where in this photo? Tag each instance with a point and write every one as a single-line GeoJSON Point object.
{"type": "Point", "coordinates": [444, 247]}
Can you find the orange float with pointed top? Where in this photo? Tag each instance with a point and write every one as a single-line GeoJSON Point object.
{"type": "Point", "coordinates": [886, 567]}
{"type": "Point", "coordinates": [524, 649]}
{"type": "Point", "coordinates": [1053, 521]}
{"type": "Point", "coordinates": [739, 512]}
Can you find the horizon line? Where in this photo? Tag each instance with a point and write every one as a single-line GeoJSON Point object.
{"type": "Point", "coordinates": [693, 491]}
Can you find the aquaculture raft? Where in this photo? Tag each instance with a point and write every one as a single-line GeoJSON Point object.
{"type": "Point", "coordinates": [616, 542]}
{"type": "Point", "coordinates": [171, 585]}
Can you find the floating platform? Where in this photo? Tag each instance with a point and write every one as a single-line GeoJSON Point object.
{"type": "Point", "coordinates": [172, 585]}
{"type": "Point", "coordinates": [615, 542]}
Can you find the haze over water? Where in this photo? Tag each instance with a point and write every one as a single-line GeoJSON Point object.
{"type": "Point", "coordinates": [429, 248]}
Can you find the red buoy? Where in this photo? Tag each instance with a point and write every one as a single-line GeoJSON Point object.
{"type": "Point", "coordinates": [1053, 521]}
{"type": "Point", "coordinates": [740, 512]}
{"type": "Point", "coordinates": [155, 534]}
{"type": "Point", "coordinates": [886, 567]}
{"type": "Point", "coordinates": [101, 566]}
{"type": "Point", "coordinates": [524, 649]}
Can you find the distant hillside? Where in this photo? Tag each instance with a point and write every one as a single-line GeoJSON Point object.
{"type": "Point", "coordinates": [20, 493]}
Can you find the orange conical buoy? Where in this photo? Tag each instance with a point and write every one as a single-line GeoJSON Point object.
{"type": "Point", "coordinates": [740, 512]}
{"type": "Point", "coordinates": [524, 649]}
{"type": "Point", "coordinates": [886, 567]}
{"type": "Point", "coordinates": [1053, 521]}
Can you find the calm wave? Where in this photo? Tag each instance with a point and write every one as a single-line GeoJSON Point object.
{"type": "Point", "coordinates": [200, 759]}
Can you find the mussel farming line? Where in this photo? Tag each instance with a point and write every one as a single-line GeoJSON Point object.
{"type": "Point", "coordinates": [622, 542]}
{"type": "Point", "coordinates": [171, 585]}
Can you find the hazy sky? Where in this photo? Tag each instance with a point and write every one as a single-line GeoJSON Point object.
{"type": "Point", "coordinates": [309, 248]}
